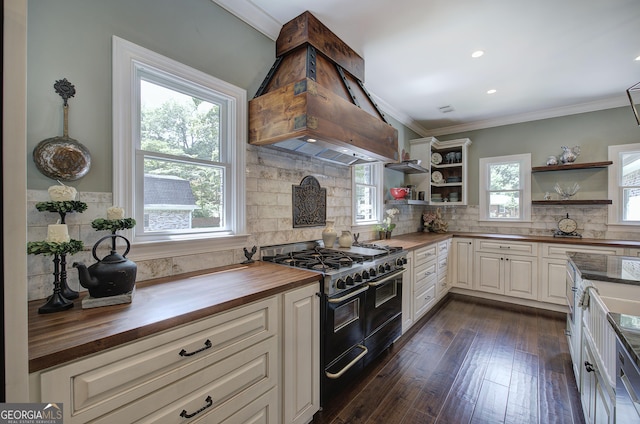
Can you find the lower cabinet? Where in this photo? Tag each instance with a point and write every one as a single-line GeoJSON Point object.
{"type": "Point", "coordinates": [301, 355]}
{"type": "Point", "coordinates": [462, 263]}
{"type": "Point", "coordinates": [425, 277]}
{"type": "Point", "coordinates": [221, 369]}
{"type": "Point", "coordinates": [595, 394]}
{"type": "Point", "coordinates": [510, 275]}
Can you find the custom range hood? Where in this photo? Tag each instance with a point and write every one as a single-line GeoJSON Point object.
{"type": "Point", "coordinates": [313, 100]}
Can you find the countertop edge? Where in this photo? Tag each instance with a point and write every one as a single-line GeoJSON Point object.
{"type": "Point", "coordinates": [48, 357]}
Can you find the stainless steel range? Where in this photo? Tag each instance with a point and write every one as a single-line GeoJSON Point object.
{"type": "Point", "coordinates": [361, 303]}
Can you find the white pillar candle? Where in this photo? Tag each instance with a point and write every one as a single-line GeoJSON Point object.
{"type": "Point", "coordinates": [61, 193]}
{"type": "Point", "coordinates": [58, 233]}
{"type": "Point", "coordinates": [115, 212]}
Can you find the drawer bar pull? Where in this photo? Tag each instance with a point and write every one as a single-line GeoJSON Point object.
{"type": "Point", "coordinates": [207, 345]}
{"type": "Point", "coordinates": [185, 414]}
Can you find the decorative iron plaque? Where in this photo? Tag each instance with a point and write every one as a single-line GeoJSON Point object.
{"type": "Point", "coordinates": [309, 203]}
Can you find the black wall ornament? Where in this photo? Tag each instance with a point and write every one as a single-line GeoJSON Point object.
{"type": "Point", "coordinates": [309, 203]}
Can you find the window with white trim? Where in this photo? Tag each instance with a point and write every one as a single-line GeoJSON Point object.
{"type": "Point", "coordinates": [179, 149]}
{"type": "Point", "coordinates": [505, 188]}
{"type": "Point", "coordinates": [624, 184]}
{"type": "Point", "coordinates": [367, 193]}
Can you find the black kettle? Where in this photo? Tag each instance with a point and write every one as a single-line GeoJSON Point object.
{"type": "Point", "coordinates": [112, 275]}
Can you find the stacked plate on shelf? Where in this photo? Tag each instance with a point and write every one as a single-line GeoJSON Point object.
{"type": "Point", "coordinates": [436, 197]}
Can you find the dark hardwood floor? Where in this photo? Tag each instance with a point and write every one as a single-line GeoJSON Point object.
{"type": "Point", "coordinates": [470, 361]}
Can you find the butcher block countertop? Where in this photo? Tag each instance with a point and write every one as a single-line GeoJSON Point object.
{"type": "Point", "coordinates": [416, 240]}
{"type": "Point", "coordinates": [157, 306]}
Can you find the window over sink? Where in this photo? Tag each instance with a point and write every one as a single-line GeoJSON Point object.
{"type": "Point", "coordinates": [179, 152]}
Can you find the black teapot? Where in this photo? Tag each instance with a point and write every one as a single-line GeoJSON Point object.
{"type": "Point", "coordinates": [112, 275]}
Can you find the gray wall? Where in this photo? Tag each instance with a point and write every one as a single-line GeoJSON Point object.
{"type": "Point", "coordinates": [72, 39]}
{"type": "Point", "coordinates": [593, 131]}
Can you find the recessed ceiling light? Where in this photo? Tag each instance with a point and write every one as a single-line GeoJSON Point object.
{"type": "Point", "coordinates": [311, 140]}
{"type": "Point", "coordinates": [637, 58]}
{"type": "Point", "coordinates": [477, 53]}
{"type": "Point", "coordinates": [492, 91]}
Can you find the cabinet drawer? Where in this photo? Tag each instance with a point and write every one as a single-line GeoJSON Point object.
{"type": "Point", "coordinates": [552, 250]}
{"type": "Point", "coordinates": [442, 266]}
{"type": "Point", "coordinates": [443, 248]}
{"type": "Point", "coordinates": [424, 274]}
{"type": "Point", "coordinates": [424, 300]}
{"type": "Point", "coordinates": [508, 247]}
{"type": "Point", "coordinates": [425, 254]}
{"type": "Point", "coordinates": [109, 380]}
{"type": "Point", "coordinates": [221, 389]}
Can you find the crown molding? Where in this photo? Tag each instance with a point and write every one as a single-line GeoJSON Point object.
{"type": "Point", "coordinates": [252, 15]}
{"type": "Point", "coordinates": [399, 116]}
{"type": "Point", "coordinates": [610, 103]}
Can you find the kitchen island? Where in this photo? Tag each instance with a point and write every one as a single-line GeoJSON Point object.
{"type": "Point", "coordinates": [607, 312]}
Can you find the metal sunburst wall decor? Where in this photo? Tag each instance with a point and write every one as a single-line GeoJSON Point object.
{"type": "Point", "coordinates": [309, 203]}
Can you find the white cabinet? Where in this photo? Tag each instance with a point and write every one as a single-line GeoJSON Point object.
{"type": "Point", "coordinates": [595, 394]}
{"type": "Point", "coordinates": [452, 167]}
{"type": "Point", "coordinates": [407, 294]}
{"type": "Point", "coordinates": [553, 268]}
{"type": "Point", "coordinates": [301, 355]}
{"type": "Point", "coordinates": [462, 258]}
{"type": "Point", "coordinates": [442, 270]}
{"type": "Point", "coordinates": [255, 363]}
{"type": "Point", "coordinates": [425, 275]}
{"type": "Point", "coordinates": [506, 268]}
{"type": "Point", "coordinates": [205, 366]}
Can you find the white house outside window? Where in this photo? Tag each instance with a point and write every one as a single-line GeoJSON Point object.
{"type": "Point", "coordinates": [505, 188]}
{"type": "Point", "coordinates": [624, 184]}
{"type": "Point", "coordinates": [367, 189]}
{"type": "Point", "coordinates": [179, 147]}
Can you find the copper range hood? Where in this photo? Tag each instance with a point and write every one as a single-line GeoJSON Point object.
{"type": "Point", "coordinates": [313, 100]}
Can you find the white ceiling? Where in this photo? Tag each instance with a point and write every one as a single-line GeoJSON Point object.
{"type": "Point", "coordinates": [545, 58]}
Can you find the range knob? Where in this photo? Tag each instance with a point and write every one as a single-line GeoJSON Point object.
{"type": "Point", "coordinates": [400, 262]}
{"type": "Point", "coordinates": [387, 267]}
{"type": "Point", "coordinates": [381, 269]}
{"type": "Point", "coordinates": [341, 284]}
{"type": "Point", "coordinates": [365, 275]}
{"type": "Point", "coordinates": [358, 277]}
{"type": "Point", "coordinates": [350, 281]}
{"type": "Point", "coordinates": [372, 272]}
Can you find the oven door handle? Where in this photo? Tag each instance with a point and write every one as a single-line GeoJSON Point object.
{"type": "Point", "coordinates": [349, 296]}
{"type": "Point", "coordinates": [349, 365]}
{"type": "Point", "coordinates": [387, 278]}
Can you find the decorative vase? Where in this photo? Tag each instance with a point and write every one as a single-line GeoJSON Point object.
{"type": "Point", "coordinates": [329, 235]}
{"type": "Point", "coordinates": [387, 235]}
{"type": "Point", "coordinates": [345, 239]}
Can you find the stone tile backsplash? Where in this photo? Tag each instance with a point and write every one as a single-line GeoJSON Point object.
{"type": "Point", "coordinates": [270, 175]}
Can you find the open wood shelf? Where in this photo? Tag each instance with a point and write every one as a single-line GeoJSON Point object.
{"type": "Point", "coordinates": [572, 202]}
{"type": "Point", "coordinates": [566, 167]}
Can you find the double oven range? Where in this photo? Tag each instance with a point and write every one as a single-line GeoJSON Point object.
{"type": "Point", "coordinates": [361, 306]}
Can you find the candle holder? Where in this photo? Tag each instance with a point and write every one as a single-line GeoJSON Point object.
{"type": "Point", "coordinates": [57, 301]}
{"type": "Point", "coordinates": [62, 208]}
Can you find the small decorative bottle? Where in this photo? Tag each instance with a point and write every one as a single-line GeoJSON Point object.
{"type": "Point", "coordinates": [329, 235]}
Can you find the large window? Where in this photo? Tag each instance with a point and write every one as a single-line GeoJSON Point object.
{"type": "Point", "coordinates": [505, 188]}
{"type": "Point", "coordinates": [624, 184]}
{"type": "Point", "coordinates": [179, 146]}
{"type": "Point", "coordinates": [367, 189]}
